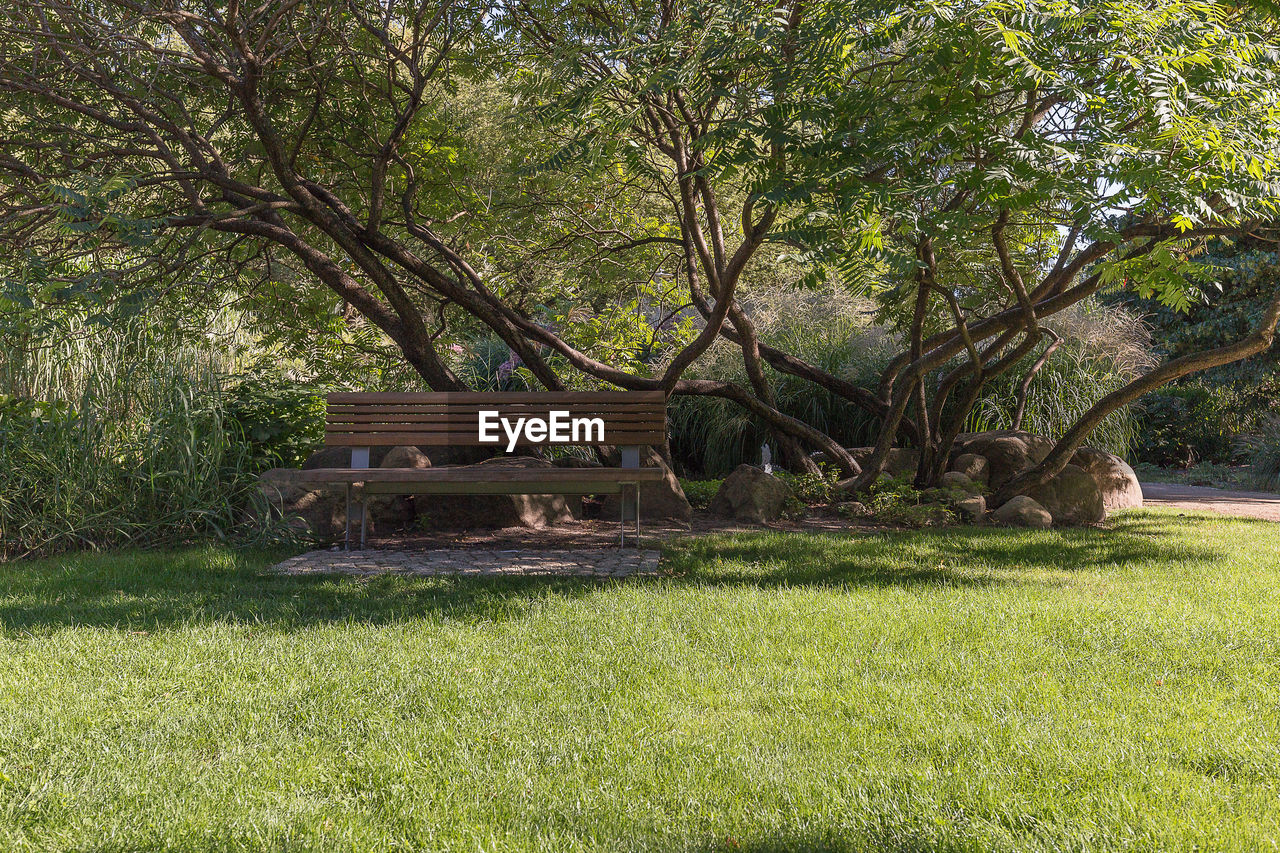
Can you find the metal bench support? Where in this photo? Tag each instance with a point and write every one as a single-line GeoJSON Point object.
{"type": "Point", "coordinates": [629, 505]}
{"type": "Point", "coordinates": [359, 459]}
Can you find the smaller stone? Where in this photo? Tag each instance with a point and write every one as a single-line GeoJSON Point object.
{"type": "Point", "coordinates": [1022, 511]}
{"type": "Point", "coordinates": [972, 509]}
{"type": "Point", "coordinates": [751, 494]}
{"type": "Point", "coordinates": [853, 509]}
{"type": "Point", "coordinates": [973, 466]}
{"type": "Point", "coordinates": [958, 480]}
{"type": "Point", "coordinates": [405, 456]}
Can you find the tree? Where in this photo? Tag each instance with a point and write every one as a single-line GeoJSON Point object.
{"type": "Point", "coordinates": [978, 167]}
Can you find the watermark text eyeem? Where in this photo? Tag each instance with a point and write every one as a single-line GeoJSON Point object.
{"type": "Point", "coordinates": [558, 426]}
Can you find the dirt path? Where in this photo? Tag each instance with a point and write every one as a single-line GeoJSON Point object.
{"type": "Point", "coordinates": [1203, 499]}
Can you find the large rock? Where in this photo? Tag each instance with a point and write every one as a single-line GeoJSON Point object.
{"type": "Point", "coordinates": [1008, 452]}
{"type": "Point", "coordinates": [902, 461]}
{"type": "Point", "coordinates": [972, 509]}
{"type": "Point", "coordinates": [750, 494]}
{"type": "Point", "coordinates": [405, 456]}
{"type": "Point", "coordinates": [441, 455]}
{"type": "Point", "coordinates": [661, 500]}
{"type": "Point", "coordinates": [462, 512]}
{"type": "Point", "coordinates": [1072, 497]}
{"type": "Point", "coordinates": [1022, 511]}
{"type": "Point", "coordinates": [1116, 480]}
{"type": "Point", "coordinates": [973, 466]}
{"type": "Point", "coordinates": [959, 480]}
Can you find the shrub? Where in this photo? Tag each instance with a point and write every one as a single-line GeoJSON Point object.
{"type": "Point", "coordinates": [282, 421]}
{"type": "Point", "coordinates": [127, 440]}
{"type": "Point", "coordinates": [809, 489]}
{"type": "Point", "coordinates": [1264, 457]}
{"type": "Point", "coordinates": [895, 501]}
{"type": "Point", "coordinates": [1182, 425]}
{"type": "Point", "coordinates": [829, 329]}
{"type": "Point", "coordinates": [700, 492]}
{"type": "Point", "coordinates": [1103, 348]}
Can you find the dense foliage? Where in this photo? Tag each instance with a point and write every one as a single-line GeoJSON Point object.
{"type": "Point", "coordinates": [125, 434]}
{"type": "Point", "coordinates": [461, 194]}
{"type": "Point", "coordinates": [1220, 415]}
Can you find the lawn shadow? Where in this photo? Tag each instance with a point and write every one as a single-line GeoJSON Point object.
{"type": "Point", "coordinates": [152, 590]}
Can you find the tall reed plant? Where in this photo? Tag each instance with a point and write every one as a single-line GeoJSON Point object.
{"type": "Point", "coordinates": [117, 437]}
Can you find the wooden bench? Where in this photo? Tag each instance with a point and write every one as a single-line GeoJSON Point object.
{"type": "Point", "coordinates": [361, 421]}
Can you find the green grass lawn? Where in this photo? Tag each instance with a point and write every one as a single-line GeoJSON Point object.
{"type": "Point", "coordinates": [969, 689]}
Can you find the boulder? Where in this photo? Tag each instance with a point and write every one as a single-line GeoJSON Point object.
{"type": "Point", "coordinates": [902, 461]}
{"type": "Point", "coordinates": [1116, 480]}
{"type": "Point", "coordinates": [853, 509]}
{"type": "Point", "coordinates": [750, 494]}
{"type": "Point", "coordinates": [661, 500]}
{"type": "Point", "coordinates": [959, 480]}
{"type": "Point", "coordinates": [1072, 497]}
{"type": "Point", "coordinates": [405, 456]}
{"type": "Point", "coordinates": [972, 509]}
{"type": "Point", "coordinates": [1022, 511]}
{"type": "Point", "coordinates": [441, 455]}
{"type": "Point", "coordinates": [575, 462]}
{"type": "Point", "coordinates": [1008, 452]}
{"type": "Point", "coordinates": [973, 466]}
{"type": "Point", "coordinates": [462, 512]}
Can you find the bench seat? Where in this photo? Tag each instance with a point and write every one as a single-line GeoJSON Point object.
{"type": "Point", "coordinates": [483, 479]}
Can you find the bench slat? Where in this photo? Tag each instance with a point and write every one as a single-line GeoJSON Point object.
{"type": "Point", "coordinates": [468, 439]}
{"type": "Point", "coordinates": [473, 411]}
{"type": "Point", "coordinates": [472, 427]}
{"type": "Point", "coordinates": [479, 474]}
{"type": "Point", "coordinates": [500, 398]}
{"type": "Point", "coordinates": [443, 419]}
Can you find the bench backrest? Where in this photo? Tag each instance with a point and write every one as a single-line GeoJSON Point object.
{"type": "Point", "coordinates": [454, 418]}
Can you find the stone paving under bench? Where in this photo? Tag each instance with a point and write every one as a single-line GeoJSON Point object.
{"type": "Point", "coordinates": [584, 562]}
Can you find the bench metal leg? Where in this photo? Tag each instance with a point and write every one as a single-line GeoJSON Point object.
{"type": "Point", "coordinates": [346, 538]}
{"type": "Point", "coordinates": [623, 505]}
{"type": "Point", "coordinates": [364, 520]}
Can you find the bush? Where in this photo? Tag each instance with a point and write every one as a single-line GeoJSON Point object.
{"type": "Point", "coordinates": [282, 421]}
{"type": "Point", "coordinates": [700, 492]}
{"type": "Point", "coordinates": [896, 501]}
{"type": "Point", "coordinates": [1182, 425]}
{"type": "Point", "coordinates": [127, 441]}
{"type": "Point", "coordinates": [1103, 348]}
{"type": "Point", "coordinates": [712, 436]}
{"type": "Point", "coordinates": [1264, 457]}
{"type": "Point", "coordinates": [810, 489]}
